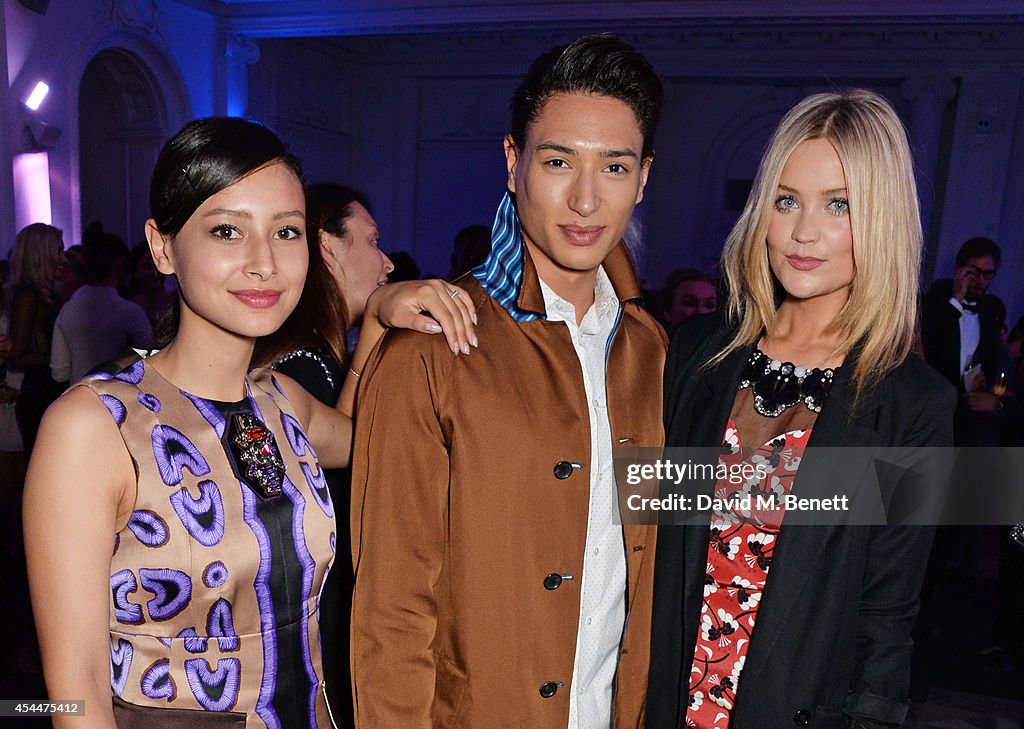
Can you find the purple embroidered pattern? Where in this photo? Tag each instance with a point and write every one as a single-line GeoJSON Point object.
{"type": "Point", "coordinates": [203, 561]}
{"type": "Point", "coordinates": [221, 625]}
{"type": "Point", "coordinates": [173, 452]}
{"type": "Point", "coordinates": [173, 590]}
{"type": "Point", "coordinates": [209, 412]}
{"type": "Point", "coordinates": [121, 583]}
{"type": "Point", "coordinates": [157, 682]}
{"type": "Point", "coordinates": [120, 664]}
{"type": "Point", "coordinates": [193, 643]}
{"type": "Point", "coordinates": [268, 629]}
{"type": "Point", "coordinates": [296, 435]}
{"type": "Point", "coordinates": [215, 690]}
{"type": "Point", "coordinates": [308, 568]}
{"type": "Point", "coordinates": [150, 402]}
{"type": "Point", "coordinates": [115, 407]}
{"type": "Point", "coordinates": [215, 574]}
{"type": "Point", "coordinates": [133, 374]}
{"type": "Point", "coordinates": [318, 485]}
{"type": "Point", "coordinates": [203, 518]}
{"type": "Point", "coordinates": [148, 528]}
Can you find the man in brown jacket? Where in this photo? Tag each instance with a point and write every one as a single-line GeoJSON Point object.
{"type": "Point", "coordinates": [495, 586]}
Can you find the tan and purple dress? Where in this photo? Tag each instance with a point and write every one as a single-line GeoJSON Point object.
{"type": "Point", "coordinates": [214, 589]}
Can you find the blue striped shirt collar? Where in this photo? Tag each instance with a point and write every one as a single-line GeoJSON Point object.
{"type": "Point", "coordinates": [501, 273]}
{"type": "Point", "coordinates": [509, 276]}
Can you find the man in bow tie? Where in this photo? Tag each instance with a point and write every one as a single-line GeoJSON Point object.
{"type": "Point", "coordinates": [961, 328]}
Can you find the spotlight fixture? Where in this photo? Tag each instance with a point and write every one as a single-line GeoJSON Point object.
{"type": "Point", "coordinates": [36, 97]}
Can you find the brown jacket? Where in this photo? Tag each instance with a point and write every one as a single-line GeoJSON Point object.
{"type": "Point", "coordinates": [458, 517]}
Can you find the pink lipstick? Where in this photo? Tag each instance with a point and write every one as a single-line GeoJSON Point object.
{"type": "Point", "coordinates": [258, 298]}
{"type": "Point", "coordinates": [804, 264]}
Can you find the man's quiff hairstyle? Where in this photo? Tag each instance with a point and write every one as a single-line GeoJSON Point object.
{"type": "Point", "coordinates": [879, 320]}
{"type": "Point", "coordinates": [601, 65]}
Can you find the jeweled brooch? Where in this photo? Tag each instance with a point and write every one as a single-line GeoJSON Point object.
{"type": "Point", "coordinates": [257, 459]}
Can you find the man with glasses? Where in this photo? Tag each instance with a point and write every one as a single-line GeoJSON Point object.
{"type": "Point", "coordinates": [960, 329]}
{"type": "Point", "coordinates": [961, 326]}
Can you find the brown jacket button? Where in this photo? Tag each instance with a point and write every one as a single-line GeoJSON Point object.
{"type": "Point", "coordinates": [552, 581]}
{"type": "Point", "coordinates": [548, 689]}
{"type": "Point", "coordinates": [563, 469]}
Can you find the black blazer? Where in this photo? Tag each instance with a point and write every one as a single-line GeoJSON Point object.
{"type": "Point", "coordinates": [940, 335]}
{"type": "Point", "coordinates": [832, 642]}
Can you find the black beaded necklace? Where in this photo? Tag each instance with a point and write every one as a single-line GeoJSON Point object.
{"type": "Point", "coordinates": [780, 385]}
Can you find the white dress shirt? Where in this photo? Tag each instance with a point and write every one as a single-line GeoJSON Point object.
{"type": "Point", "coordinates": [603, 582]}
{"type": "Point", "coordinates": [970, 334]}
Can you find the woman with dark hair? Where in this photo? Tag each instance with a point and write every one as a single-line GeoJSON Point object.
{"type": "Point", "coordinates": [345, 268]}
{"type": "Point", "coordinates": [178, 527]}
{"type": "Point", "coordinates": [35, 268]}
{"type": "Point", "coordinates": [759, 622]}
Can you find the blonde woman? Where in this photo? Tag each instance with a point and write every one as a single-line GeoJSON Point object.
{"type": "Point", "coordinates": [758, 623]}
{"type": "Point", "coordinates": [35, 263]}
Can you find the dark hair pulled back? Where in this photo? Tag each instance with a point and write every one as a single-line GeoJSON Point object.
{"type": "Point", "coordinates": [204, 157]}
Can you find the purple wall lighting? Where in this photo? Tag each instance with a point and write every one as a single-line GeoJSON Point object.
{"type": "Point", "coordinates": [31, 189]}
{"type": "Point", "coordinates": [36, 97]}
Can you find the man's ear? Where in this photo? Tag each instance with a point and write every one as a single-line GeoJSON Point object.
{"type": "Point", "coordinates": [645, 170]}
{"type": "Point", "coordinates": [511, 161]}
{"type": "Point", "coordinates": [160, 248]}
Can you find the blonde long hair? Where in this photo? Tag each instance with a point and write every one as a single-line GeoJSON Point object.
{"type": "Point", "coordinates": [37, 250]}
{"type": "Point", "coordinates": [879, 320]}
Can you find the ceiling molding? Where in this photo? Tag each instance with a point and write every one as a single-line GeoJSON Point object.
{"type": "Point", "coordinates": [304, 18]}
{"type": "Point", "coordinates": [672, 47]}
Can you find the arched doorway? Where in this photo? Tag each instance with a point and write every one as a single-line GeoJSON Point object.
{"type": "Point", "coordinates": [122, 122]}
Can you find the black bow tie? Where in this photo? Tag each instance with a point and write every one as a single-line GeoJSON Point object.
{"type": "Point", "coordinates": [971, 306]}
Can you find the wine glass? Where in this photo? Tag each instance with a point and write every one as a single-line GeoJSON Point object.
{"type": "Point", "coordinates": [999, 386]}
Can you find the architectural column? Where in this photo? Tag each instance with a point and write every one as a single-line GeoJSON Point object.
{"type": "Point", "coordinates": [1011, 229]}
{"type": "Point", "coordinates": [239, 54]}
{"type": "Point", "coordinates": [979, 166]}
{"type": "Point", "coordinates": [928, 97]}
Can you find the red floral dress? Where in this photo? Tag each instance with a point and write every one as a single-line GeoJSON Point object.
{"type": "Point", "coordinates": [739, 556]}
